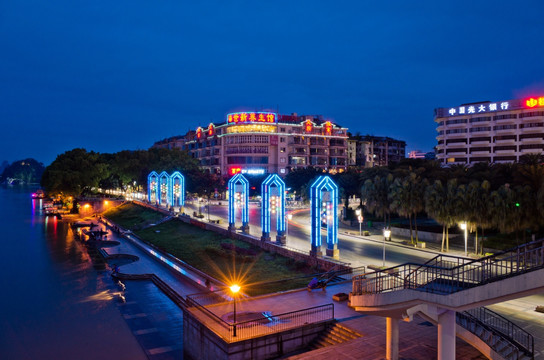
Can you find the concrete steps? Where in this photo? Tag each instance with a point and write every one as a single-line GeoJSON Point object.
{"type": "Point", "coordinates": [334, 334]}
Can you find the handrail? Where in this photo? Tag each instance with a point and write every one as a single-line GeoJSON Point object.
{"type": "Point", "coordinates": [254, 327]}
{"type": "Point", "coordinates": [514, 335]}
{"type": "Point", "coordinates": [447, 274]}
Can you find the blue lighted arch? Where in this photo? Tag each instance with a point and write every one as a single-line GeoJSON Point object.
{"type": "Point", "coordinates": [164, 184]}
{"type": "Point", "coordinates": [238, 193]}
{"type": "Point", "coordinates": [176, 189]}
{"type": "Point", "coordinates": [273, 186]}
{"type": "Point", "coordinates": [326, 207]}
{"type": "Point", "coordinates": [152, 186]}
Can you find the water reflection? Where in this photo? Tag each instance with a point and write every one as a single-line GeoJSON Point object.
{"type": "Point", "coordinates": [46, 278]}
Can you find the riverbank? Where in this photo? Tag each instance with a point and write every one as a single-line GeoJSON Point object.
{"type": "Point", "coordinates": [55, 305]}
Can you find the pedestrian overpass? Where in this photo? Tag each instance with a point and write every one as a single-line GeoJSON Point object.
{"type": "Point", "coordinates": [452, 292]}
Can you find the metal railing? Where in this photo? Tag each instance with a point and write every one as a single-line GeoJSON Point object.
{"type": "Point", "coordinates": [448, 274]}
{"type": "Point", "coordinates": [264, 324]}
{"type": "Point", "coordinates": [499, 327]}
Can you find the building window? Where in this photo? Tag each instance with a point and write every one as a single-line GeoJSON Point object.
{"type": "Point", "coordinates": [282, 160]}
{"type": "Point", "coordinates": [282, 139]}
{"type": "Point", "coordinates": [282, 149]}
{"type": "Point", "coordinates": [282, 129]}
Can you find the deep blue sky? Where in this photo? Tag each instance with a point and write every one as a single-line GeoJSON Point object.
{"type": "Point", "coordinates": [114, 75]}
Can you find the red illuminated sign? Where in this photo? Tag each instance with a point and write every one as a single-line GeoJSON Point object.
{"type": "Point", "coordinates": [235, 170]}
{"type": "Point", "coordinates": [211, 130]}
{"type": "Point", "coordinates": [532, 102]}
{"type": "Point", "coordinates": [308, 126]}
{"type": "Point", "coordinates": [328, 128]}
{"type": "Point", "coordinates": [198, 133]}
{"type": "Point", "coordinates": [251, 117]}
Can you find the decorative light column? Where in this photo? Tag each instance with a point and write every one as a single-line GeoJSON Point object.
{"type": "Point", "coordinates": [152, 187]}
{"type": "Point", "coordinates": [273, 203]}
{"type": "Point", "coordinates": [324, 208]}
{"type": "Point", "coordinates": [238, 197]}
{"type": "Point", "coordinates": [164, 184]}
{"type": "Point", "coordinates": [176, 190]}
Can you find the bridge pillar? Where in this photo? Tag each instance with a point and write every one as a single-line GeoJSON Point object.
{"type": "Point", "coordinates": [392, 339]}
{"type": "Point", "coordinates": [446, 335]}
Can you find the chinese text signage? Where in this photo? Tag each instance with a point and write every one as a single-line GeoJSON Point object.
{"type": "Point", "coordinates": [534, 102]}
{"type": "Point", "coordinates": [251, 117]}
{"type": "Point", "coordinates": [479, 108]}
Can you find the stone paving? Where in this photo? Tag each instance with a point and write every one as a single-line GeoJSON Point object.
{"type": "Point", "coordinates": [418, 339]}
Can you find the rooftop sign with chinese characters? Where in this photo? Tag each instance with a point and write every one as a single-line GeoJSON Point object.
{"type": "Point", "coordinates": [534, 102]}
{"type": "Point", "coordinates": [479, 108]}
{"type": "Point", "coordinates": [252, 117]}
{"type": "Point", "coordinates": [488, 107]}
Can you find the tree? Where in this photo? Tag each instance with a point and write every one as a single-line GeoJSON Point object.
{"type": "Point", "coordinates": [441, 203]}
{"type": "Point", "coordinates": [478, 209]}
{"type": "Point", "coordinates": [376, 194]}
{"type": "Point", "coordinates": [74, 171]}
{"type": "Point", "coordinates": [26, 171]}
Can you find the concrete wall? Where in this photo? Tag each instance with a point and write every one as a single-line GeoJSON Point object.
{"type": "Point", "coordinates": [422, 235]}
{"type": "Point", "coordinates": [200, 343]}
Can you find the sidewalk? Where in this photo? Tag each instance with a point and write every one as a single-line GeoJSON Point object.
{"type": "Point", "coordinates": [456, 248]}
{"type": "Point", "coordinates": [370, 346]}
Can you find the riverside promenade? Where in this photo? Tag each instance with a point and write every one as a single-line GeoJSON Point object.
{"type": "Point", "coordinates": [418, 338]}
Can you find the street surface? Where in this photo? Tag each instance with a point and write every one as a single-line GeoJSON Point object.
{"type": "Point", "coordinates": [355, 250]}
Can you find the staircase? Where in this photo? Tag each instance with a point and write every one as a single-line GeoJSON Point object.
{"type": "Point", "coordinates": [505, 338]}
{"type": "Point", "coordinates": [469, 283]}
{"type": "Point", "coordinates": [333, 335]}
{"type": "Point", "coordinates": [463, 285]}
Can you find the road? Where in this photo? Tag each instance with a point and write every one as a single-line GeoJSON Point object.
{"type": "Point", "coordinates": [353, 249]}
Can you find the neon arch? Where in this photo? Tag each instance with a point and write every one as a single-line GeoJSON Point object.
{"type": "Point", "coordinates": [176, 189]}
{"type": "Point", "coordinates": [152, 186]}
{"type": "Point", "coordinates": [238, 197]}
{"type": "Point", "coordinates": [162, 192]}
{"type": "Point", "coordinates": [273, 201]}
{"type": "Point", "coordinates": [324, 197]}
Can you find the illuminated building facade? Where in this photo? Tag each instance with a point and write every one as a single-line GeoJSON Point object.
{"type": "Point", "coordinates": [255, 143]}
{"type": "Point", "coordinates": [490, 131]}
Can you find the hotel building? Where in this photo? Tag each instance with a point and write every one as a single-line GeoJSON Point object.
{"type": "Point", "coordinates": [257, 143]}
{"type": "Point", "coordinates": [490, 131]}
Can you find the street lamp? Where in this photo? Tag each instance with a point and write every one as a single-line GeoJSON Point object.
{"type": "Point", "coordinates": [386, 235]}
{"type": "Point", "coordinates": [360, 219]}
{"type": "Point", "coordinates": [464, 227]}
{"type": "Point", "coordinates": [234, 288]}
{"type": "Point", "coordinates": [289, 218]}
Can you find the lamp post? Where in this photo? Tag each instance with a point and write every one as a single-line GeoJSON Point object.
{"type": "Point", "coordinates": [289, 217]}
{"type": "Point", "coordinates": [360, 219]}
{"type": "Point", "coordinates": [464, 227]}
{"type": "Point", "coordinates": [386, 235]}
{"type": "Point", "coordinates": [234, 288]}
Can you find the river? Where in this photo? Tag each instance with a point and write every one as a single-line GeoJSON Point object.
{"type": "Point", "coordinates": [53, 303]}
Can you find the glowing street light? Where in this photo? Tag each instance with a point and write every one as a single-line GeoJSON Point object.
{"type": "Point", "coordinates": [386, 235]}
{"type": "Point", "coordinates": [234, 288]}
{"type": "Point", "coordinates": [289, 218]}
{"type": "Point", "coordinates": [464, 227]}
{"type": "Point", "coordinates": [360, 219]}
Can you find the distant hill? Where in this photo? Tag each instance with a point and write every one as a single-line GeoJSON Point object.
{"type": "Point", "coordinates": [25, 171]}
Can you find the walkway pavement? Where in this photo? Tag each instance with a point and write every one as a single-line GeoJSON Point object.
{"type": "Point", "coordinates": [418, 339]}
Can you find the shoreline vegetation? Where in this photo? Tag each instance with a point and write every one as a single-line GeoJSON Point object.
{"type": "Point", "coordinates": [223, 258]}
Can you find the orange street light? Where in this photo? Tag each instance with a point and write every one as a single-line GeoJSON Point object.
{"type": "Point", "coordinates": [234, 288]}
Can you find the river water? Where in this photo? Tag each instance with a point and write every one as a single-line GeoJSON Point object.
{"type": "Point", "coordinates": [53, 303]}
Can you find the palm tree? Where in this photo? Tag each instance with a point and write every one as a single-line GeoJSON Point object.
{"type": "Point", "coordinates": [376, 194]}
{"type": "Point", "coordinates": [441, 203]}
{"type": "Point", "coordinates": [400, 202]}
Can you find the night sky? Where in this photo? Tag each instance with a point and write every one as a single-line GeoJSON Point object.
{"type": "Point", "coordinates": [115, 75]}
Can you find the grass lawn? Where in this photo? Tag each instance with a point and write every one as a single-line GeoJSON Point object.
{"type": "Point", "coordinates": [133, 217]}
{"type": "Point", "coordinates": [202, 249]}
